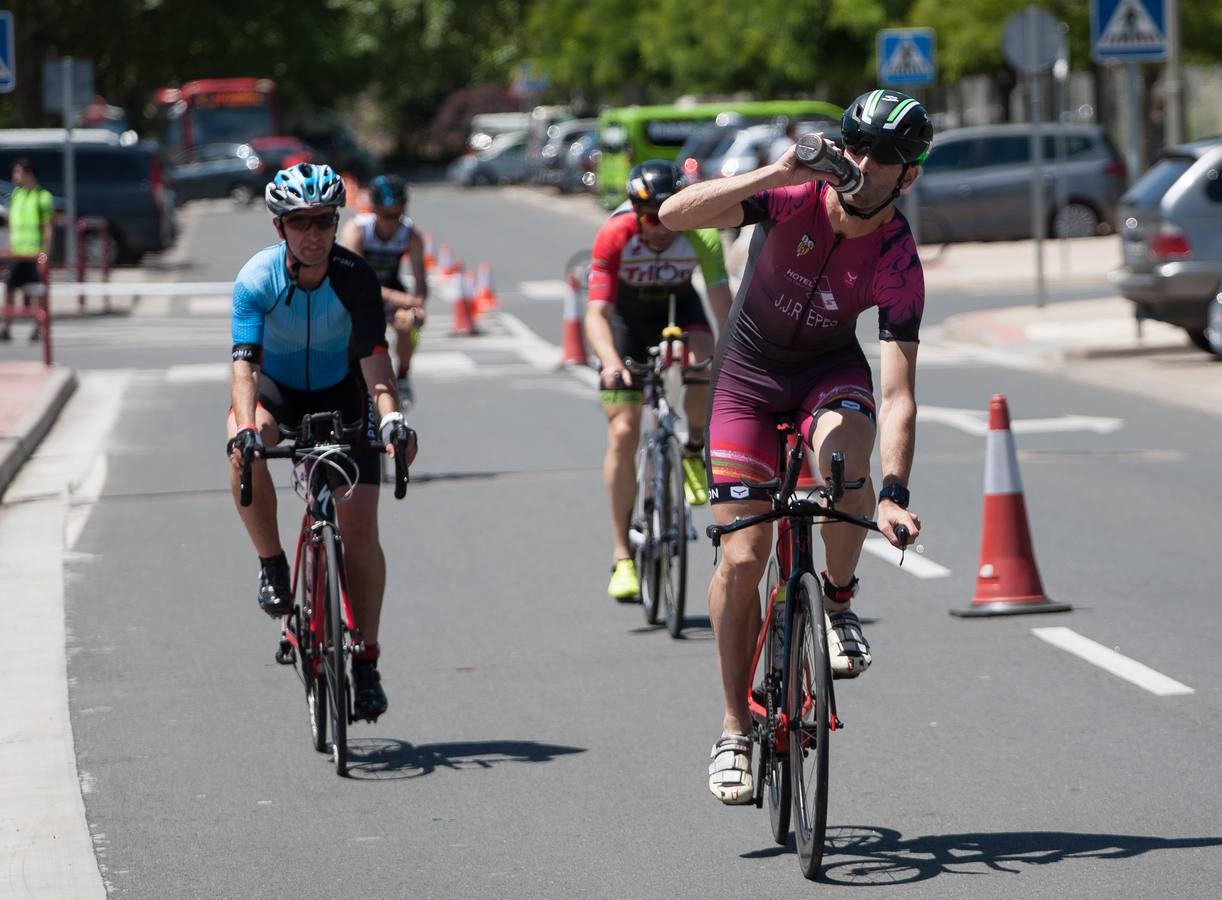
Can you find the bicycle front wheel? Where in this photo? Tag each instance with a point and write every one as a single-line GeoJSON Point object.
{"type": "Point", "coordinates": [644, 533]}
{"type": "Point", "coordinates": [775, 768]}
{"type": "Point", "coordinates": [673, 550]}
{"type": "Point", "coordinates": [334, 659]}
{"type": "Point", "coordinates": [808, 703]}
{"type": "Point", "coordinates": [308, 647]}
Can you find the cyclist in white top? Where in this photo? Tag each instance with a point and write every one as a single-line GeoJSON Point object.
{"type": "Point", "coordinates": [384, 237]}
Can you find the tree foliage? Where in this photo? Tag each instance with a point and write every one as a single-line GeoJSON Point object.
{"type": "Point", "coordinates": [407, 56]}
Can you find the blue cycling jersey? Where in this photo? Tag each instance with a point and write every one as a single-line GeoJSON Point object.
{"type": "Point", "coordinates": [309, 340]}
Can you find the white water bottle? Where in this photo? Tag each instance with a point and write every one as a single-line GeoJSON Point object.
{"type": "Point", "coordinates": [816, 152]}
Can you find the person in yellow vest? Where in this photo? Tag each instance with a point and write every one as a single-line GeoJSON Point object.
{"type": "Point", "coordinates": [30, 216]}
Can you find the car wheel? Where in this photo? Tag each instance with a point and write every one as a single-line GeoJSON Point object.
{"type": "Point", "coordinates": [95, 249]}
{"type": "Point", "coordinates": [242, 194]}
{"type": "Point", "coordinates": [1075, 219]}
{"type": "Point", "coordinates": [1213, 326]}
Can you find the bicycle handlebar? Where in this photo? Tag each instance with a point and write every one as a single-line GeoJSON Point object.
{"type": "Point", "coordinates": [299, 450]}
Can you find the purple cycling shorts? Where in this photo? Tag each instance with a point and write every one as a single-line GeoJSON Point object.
{"type": "Point", "coordinates": [747, 399]}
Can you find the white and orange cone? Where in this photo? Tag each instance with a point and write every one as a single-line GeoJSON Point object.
{"type": "Point", "coordinates": [1007, 581]}
{"type": "Point", "coordinates": [485, 294]}
{"type": "Point", "coordinates": [573, 347]}
{"type": "Point", "coordinates": [463, 301]}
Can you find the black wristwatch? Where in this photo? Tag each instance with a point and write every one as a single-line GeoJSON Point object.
{"type": "Point", "coordinates": [896, 493]}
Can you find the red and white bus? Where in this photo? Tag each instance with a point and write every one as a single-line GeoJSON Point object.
{"type": "Point", "coordinates": [216, 111]}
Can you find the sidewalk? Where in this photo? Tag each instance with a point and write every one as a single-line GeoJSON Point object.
{"type": "Point", "coordinates": [31, 396]}
{"type": "Point", "coordinates": [1059, 331]}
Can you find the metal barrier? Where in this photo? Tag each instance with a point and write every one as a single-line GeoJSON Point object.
{"type": "Point", "coordinates": [84, 226]}
{"type": "Point", "coordinates": [98, 225]}
{"type": "Point", "coordinates": [40, 312]}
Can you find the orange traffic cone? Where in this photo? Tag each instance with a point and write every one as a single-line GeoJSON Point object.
{"type": "Point", "coordinates": [445, 261]}
{"type": "Point", "coordinates": [463, 302]}
{"type": "Point", "coordinates": [573, 350]}
{"type": "Point", "coordinates": [1007, 581]}
{"type": "Point", "coordinates": [430, 261]}
{"type": "Point", "coordinates": [485, 294]}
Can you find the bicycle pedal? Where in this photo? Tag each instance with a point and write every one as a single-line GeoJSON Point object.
{"type": "Point", "coordinates": [286, 655]}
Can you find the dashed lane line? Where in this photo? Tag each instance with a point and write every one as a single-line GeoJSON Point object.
{"type": "Point", "coordinates": [1110, 661]}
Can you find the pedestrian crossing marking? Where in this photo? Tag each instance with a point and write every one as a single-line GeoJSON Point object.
{"type": "Point", "coordinates": [1131, 27]}
{"type": "Point", "coordinates": [907, 61]}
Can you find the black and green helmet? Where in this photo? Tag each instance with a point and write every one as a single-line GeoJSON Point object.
{"type": "Point", "coordinates": [891, 127]}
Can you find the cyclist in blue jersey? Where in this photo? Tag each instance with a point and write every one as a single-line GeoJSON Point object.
{"type": "Point", "coordinates": [309, 336]}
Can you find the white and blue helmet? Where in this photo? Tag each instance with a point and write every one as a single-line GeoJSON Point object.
{"type": "Point", "coordinates": [304, 186]}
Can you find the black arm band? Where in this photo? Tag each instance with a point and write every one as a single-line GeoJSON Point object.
{"type": "Point", "coordinates": [251, 353]}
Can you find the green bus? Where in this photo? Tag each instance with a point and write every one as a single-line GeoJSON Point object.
{"type": "Point", "coordinates": [631, 134]}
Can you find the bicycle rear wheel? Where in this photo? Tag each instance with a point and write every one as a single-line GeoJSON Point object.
{"type": "Point", "coordinates": [776, 767]}
{"type": "Point", "coordinates": [308, 648]}
{"type": "Point", "coordinates": [645, 538]}
{"type": "Point", "coordinates": [672, 551]}
{"type": "Point", "coordinates": [808, 703]}
{"type": "Point", "coordinates": [334, 659]}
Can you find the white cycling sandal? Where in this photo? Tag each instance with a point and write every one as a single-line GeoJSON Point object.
{"type": "Point", "coordinates": [730, 778]}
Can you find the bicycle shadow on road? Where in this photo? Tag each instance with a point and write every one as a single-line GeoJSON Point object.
{"type": "Point", "coordinates": [384, 759]}
{"type": "Point", "coordinates": [695, 628]}
{"type": "Point", "coordinates": [878, 856]}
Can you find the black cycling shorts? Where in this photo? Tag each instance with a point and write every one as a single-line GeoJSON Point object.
{"type": "Point", "coordinates": [637, 320]}
{"type": "Point", "coordinates": [288, 405]}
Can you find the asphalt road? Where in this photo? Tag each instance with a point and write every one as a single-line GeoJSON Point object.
{"type": "Point", "coordinates": [541, 741]}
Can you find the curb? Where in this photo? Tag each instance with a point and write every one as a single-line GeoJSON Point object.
{"type": "Point", "coordinates": [34, 424]}
{"type": "Point", "coordinates": [1065, 332]}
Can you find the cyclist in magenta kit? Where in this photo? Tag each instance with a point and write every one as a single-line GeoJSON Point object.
{"type": "Point", "coordinates": [817, 261]}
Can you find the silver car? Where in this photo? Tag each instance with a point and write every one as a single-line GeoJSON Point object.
{"type": "Point", "coordinates": [504, 162]}
{"type": "Point", "coordinates": [1171, 236]}
{"type": "Point", "coordinates": [976, 183]}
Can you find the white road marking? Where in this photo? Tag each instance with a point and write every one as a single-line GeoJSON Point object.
{"type": "Point", "coordinates": [1110, 661]}
{"type": "Point", "coordinates": [552, 289]}
{"type": "Point", "coordinates": [185, 373]}
{"type": "Point", "coordinates": [915, 564]}
{"type": "Point", "coordinates": [975, 422]}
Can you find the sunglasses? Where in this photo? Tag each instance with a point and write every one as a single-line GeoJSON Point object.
{"type": "Point", "coordinates": [865, 145]}
{"type": "Point", "coordinates": [649, 219]}
{"type": "Point", "coordinates": [302, 224]}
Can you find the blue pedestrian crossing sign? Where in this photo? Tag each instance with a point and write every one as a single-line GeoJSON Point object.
{"type": "Point", "coordinates": [906, 56]}
{"type": "Point", "coordinates": [8, 63]}
{"type": "Point", "coordinates": [1128, 30]}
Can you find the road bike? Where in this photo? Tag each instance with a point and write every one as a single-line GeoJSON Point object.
{"type": "Point", "coordinates": [320, 634]}
{"type": "Point", "coordinates": [661, 523]}
{"type": "Point", "coordinates": [789, 692]}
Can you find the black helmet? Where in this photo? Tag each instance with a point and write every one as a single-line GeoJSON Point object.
{"type": "Point", "coordinates": [388, 190]}
{"type": "Point", "coordinates": [889, 126]}
{"type": "Point", "coordinates": [652, 182]}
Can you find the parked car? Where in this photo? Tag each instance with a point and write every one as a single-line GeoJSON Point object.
{"type": "Point", "coordinates": [219, 170]}
{"type": "Point", "coordinates": [1171, 238]}
{"type": "Point", "coordinates": [548, 168]}
{"type": "Point", "coordinates": [741, 151]}
{"type": "Point", "coordinates": [503, 162]}
{"type": "Point", "coordinates": [579, 172]}
{"type": "Point", "coordinates": [976, 183]}
{"type": "Point", "coordinates": [282, 151]}
{"type": "Point", "coordinates": [706, 153]}
{"type": "Point", "coordinates": [122, 184]}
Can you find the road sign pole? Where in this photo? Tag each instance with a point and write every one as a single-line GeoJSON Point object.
{"type": "Point", "coordinates": [1134, 155]}
{"type": "Point", "coordinates": [1035, 96]}
{"type": "Point", "coordinates": [1173, 85]}
{"type": "Point", "coordinates": [70, 248]}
